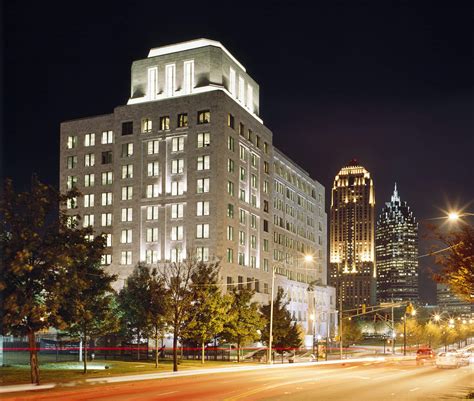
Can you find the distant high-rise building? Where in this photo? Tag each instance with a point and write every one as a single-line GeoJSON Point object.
{"type": "Point", "coordinates": [352, 240]}
{"type": "Point", "coordinates": [450, 303]}
{"type": "Point", "coordinates": [396, 249]}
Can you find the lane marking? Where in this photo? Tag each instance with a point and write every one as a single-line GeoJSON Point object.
{"type": "Point", "coordinates": [169, 392]}
{"type": "Point", "coordinates": [414, 389]}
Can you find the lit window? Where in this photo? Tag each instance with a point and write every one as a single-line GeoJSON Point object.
{"type": "Point", "coordinates": [265, 147]}
{"type": "Point", "coordinates": [241, 238]}
{"type": "Point", "coordinates": [230, 210]}
{"type": "Point", "coordinates": [202, 208]}
{"type": "Point", "coordinates": [265, 186]}
{"type": "Point", "coordinates": [265, 245]}
{"type": "Point", "coordinates": [242, 153]}
{"type": "Point", "coordinates": [106, 219]}
{"type": "Point", "coordinates": [107, 178]}
{"type": "Point", "coordinates": [230, 165]}
{"type": "Point", "coordinates": [231, 144]}
{"type": "Point", "coordinates": [177, 188]}
{"type": "Point", "coordinates": [177, 211]}
{"type": "Point", "coordinates": [127, 171]}
{"type": "Point", "coordinates": [242, 196]}
{"type": "Point", "coordinates": [253, 262]}
{"type": "Point", "coordinates": [71, 182]}
{"type": "Point", "coordinates": [170, 79]}
{"type": "Point", "coordinates": [152, 213]}
{"type": "Point", "coordinates": [241, 95]}
{"type": "Point", "coordinates": [106, 260]}
{"type": "Point", "coordinates": [152, 190]}
{"type": "Point", "coordinates": [242, 216]}
{"type": "Point", "coordinates": [106, 198]}
{"type": "Point", "coordinates": [177, 166]}
{"type": "Point", "coordinates": [250, 98]}
{"type": "Point", "coordinates": [153, 169]}
{"type": "Point", "coordinates": [127, 214]}
{"type": "Point", "coordinates": [164, 123]}
{"type": "Point", "coordinates": [230, 121]}
{"type": "Point", "coordinates": [88, 220]}
{"type": "Point", "coordinates": [230, 233]}
{"type": "Point", "coordinates": [126, 258]}
{"type": "Point", "coordinates": [127, 149]}
{"type": "Point", "coordinates": [253, 181]}
{"type": "Point", "coordinates": [153, 147]}
{"type": "Point", "coordinates": [203, 140]}
{"type": "Point", "coordinates": [202, 253]}
{"type": "Point", "coordinates": [89, 180]}
{"type": "Point", "coordinates": [127, 192]}
{"type": "Point", "coordinates": [177, 144]}
{"type": "Point", "coordinates": [230, 188]}
{"type": "Point", "coordinates": [203, 162]}
{"type": "Point", "coordinates": [71, 142]}
{"type": "Point", "coordinates": [202, 185]}
{"type": "Point", "coordinates": [152, 83]}
{"type": "Point", "coordinates": [89, 140]}
{"type": "Point", "coordinates": [241, 259]}
{"type": "Point", "coordinates": [253, 221]}
{"type": "Point", "coordinates": [107, 137]}
{"type": "Point", "coordinates": [176, 255]}
{"type": "Point", "coordinates": [232, 82]}
{"type": "Point", "coordinates": [266, 167]}
{"type": "Point", "coordinates": [202, 231]}
{"type": "Point", "coordinates": [204, 117]}
{"type": "Point", "coordinates": [147, 125]}
{"type": "Point", "coordinates": [177, 233]}
{"type": "Point", "coordinates": [126, 237]}
{"type": "Point", "coordinates": [182, 120]}
{"type": "Point", "coordinates": [151, 256]}
{"type": "Point", "coordinates": [71, 203]}
{"type": "Point", "coordinates": [242, 173]}
{"type": "Point", "coordinates": [71, 161]}
{"type": "Point", "coordinates": [253, 242]}
{"type": "Point", "coordinates": [108, 240]}
{"type": "Point", "coordinates": [230, 255]}
{"type": "Point", "coordinates": [152, 234]}
{"type": "Point", "coordinates": [254, 160]}
{"type": "Point", "coordinates": [89, 160]}
{"type": "Point", "coordinates": [188, 81]}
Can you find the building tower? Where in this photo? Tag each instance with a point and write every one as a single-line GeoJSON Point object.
{"type": "Point", "coordinates": [396, 248]}
{"type": "Point", "coordinates": [187, 167]}
{"type": "Point", "coordinates": [352, 240]}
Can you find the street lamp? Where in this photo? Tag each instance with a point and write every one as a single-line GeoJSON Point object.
{"type": "Point", "coordinates": [313, 319]}
{"type": "Point", "coordinates": [455, 216]}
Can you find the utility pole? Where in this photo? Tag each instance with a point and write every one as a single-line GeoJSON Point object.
{"type": "Point", "coordinates": [393, 332]}
{"type": "Point", "coordinates": [340, 309]}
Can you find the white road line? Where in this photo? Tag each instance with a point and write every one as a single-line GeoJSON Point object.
{"type": "Point", "coordinates": [414, 389]}
{"type": "Point", "coordinates": [169, 392]}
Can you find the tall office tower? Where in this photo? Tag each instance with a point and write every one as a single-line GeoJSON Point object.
{"type": "Point", "coordinates": [396, 250]}
{"type": "Point", "coordinates": [352, 237]}
{"type": "Point", "coordinates": [450, 303]}
{"type": "Point", "coordinates": [188, 168]}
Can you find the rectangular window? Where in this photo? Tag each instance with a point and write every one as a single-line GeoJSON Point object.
{"type": "Point", "coordinates": [265, 187]}
{"type": "Point", "coordinates": [242, 196]}
{"type": "Point", "coordinates": [106, 260]}
{"type": "Point", "coordinates": [231, 143]}
{"type": "Point", "coordinates": [253, 181]}
{"type": "Point", "coordinates": [71, 162]}
{"type": "Point", "coordinates": [253, 221]}
{"type": "Point", "coordinates": [241, 129]}
{"type": "Point", "coordinates": [253, 200]}
{"type": "Point", "coordinates": [253, 242]}
{"type": "Point", "coordinates": [241, 238]}
{"type": "Point", "coordinates": [88, 220]}
{"type": "Point", "coordinates": [71, 182]}
{"type": "Point", "coordinates": [127, 192]}
{"type": "Point", "coordinates": [89, 140]}
{"type": "Point", "coordinates": [232, 88]}
{"type": "Point", "coordinates": [127, 171]}
{"type": "Point", "coordinates": [108, 240]}
{"type": "Point", "coordinates": [177, 211]}
{"type": "Point", "coordinates": [203, 140]}
{"type": "Point", "coordinates": [242, 216]}
{"type": "Point", "coordinates": [266, 148]}
{"type": "Point", "coordinates": [164, 123]}
{"type": "Point", "coordinates": [107, 137]}
{"type": "Point", "coordinates": [265, 226]}
{"type": "Point", "coordinates": [127, 128]}
{"type": "Point", "coordinates": [89, 180]}
{"type": "Point", "coordinates": [253, 262]}
{"type": "Point", "coordinates": [176, 255]}
{"type": "Point", "coordinates": [127, 149]}
{"type": "Point", "coordinates": [230, 233]}
{"type": "Point", "coordinates": [202, 208]}
{"type": "Point", "coordinates": [266, 245]}
{"type": "Point", "coordinates": [106, 219]}
{"type": "Point", "coordinates": [106, 198]}
{"type": "Point", "coordinates": [230, 210]}
{"type": "Point", "coordinates": [202, 253]}
{"type": "Point", "coordinates": [242, 153]}
{"type": "Point", "coordinates": [147, 125]}
{"type": "Point", "coordinates": [265, 206]}
{"type": "Point", "coordinates": [241, 260]}
{"type": "Point", "coordinates": [182, 120]}
{"type": "Point", "coordinates": [188, 81]}
{"type": "Point", "coordinates": [230, 255]}
{"type": "Point", "coordinates": [153, 169]}
{"type": "Point", "coordinates": [266, 167]}
{"type": "Point", "coordinates": [152, 190]}
{"type": "Point", "coordinates": [152, 212]}
{"type": "Point", "coordinates": [230, 121]}
{"type": "Point", "coordinates": [265, 268]}
{"type": "Point", "coordinates": [126, 236]}
{"type": "Point", "coordinates": [170, 79]}
{"type": "Point", "coordinates": [71, 142]}
{"type": "Point", "coordinates": [254, 160]}
{"type": "Point", "coordinates": [204, 117]}
{"type": "Point", "coordinates": [152, 83]}
{"type": "Point", "coordinates": [89, 160]}
{"type": "Point", "coordinates": [177, 166]}
{"type": "Point", "coordinates": [127, 214]}
{"type": "Point", "coordinates": [177, 188]}
{"type": "Point", "coordinates": [202, 185]}
{"type": "Point", "coordinates": [153, 147]}
{"type": "Point", "coordinates": [230, 165]}
{"type": "Point", "coordinates": [107, 178]}
{"type": "Point", "coordinates": [71, 203]}
{"type": "Point", "coordinates": [151, 256]}
{"type": "Point", "coordinates": [250, 98]}
{"type": "Point", "coordinates": [241, 95]}
{"type": "Point", "coordinates": [126, 258]}
{"type": "Point", "coordinates": [107, 157]}
{"type": "Point", "coordinates": [203, 162]}
{"type": "Point", "coordinates": [177, 233]}
{"type": "Point", "coordinates": [202, 231]}
{"type": "Point", "coordinates": [152, 234]}
{"type": "Point", "coordinates": [243, 173]}
{"type": "Point", "coordinates": [230, 188]}
{"type": "Point", "coordinates": [177, 144]}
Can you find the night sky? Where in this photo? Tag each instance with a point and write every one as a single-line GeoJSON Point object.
{"type": "Point", "coordinates": [390, 83]}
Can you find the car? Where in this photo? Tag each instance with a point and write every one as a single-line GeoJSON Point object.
{"type": "Point", "coordinates": [464, 357]}
{"type": "Point", "coordinates": [425, 355]}
{"type": "Point", "coordinates": [448, 360]}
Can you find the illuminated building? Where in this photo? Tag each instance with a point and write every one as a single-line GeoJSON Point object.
{"type": "Point", "coordinates": [396, 249]}
{"type": "Point", "coordinates": [188, 168]}
{"type": "Point", "coordinates": [450, 303]}
{"type": "Point", "coordinates": [352, 241]}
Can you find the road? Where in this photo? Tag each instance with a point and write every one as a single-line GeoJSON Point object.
{"type": "Point", "coordinates": [372, 381]}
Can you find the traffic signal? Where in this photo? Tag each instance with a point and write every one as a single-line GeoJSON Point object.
{"type": "Point", "coordinates": [409, 309]}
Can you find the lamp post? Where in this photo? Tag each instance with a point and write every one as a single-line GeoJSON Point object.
{"type": "Point", "coordinates": [313, 318]}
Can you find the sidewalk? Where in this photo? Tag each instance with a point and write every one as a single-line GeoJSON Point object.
{"type": "Point", "coordinates": [166, 375]}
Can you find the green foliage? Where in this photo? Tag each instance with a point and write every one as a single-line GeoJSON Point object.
{"type": "Point", "coordinates": [351, 332]}
{"type": "Point", "coordinates": [285, 333]}
{"type": "Point", "coordinates": [208, 311]}
{"type": "Point", "coordinates": [244, 319]}
{"type": "Point", "coordinates": [458, 262]}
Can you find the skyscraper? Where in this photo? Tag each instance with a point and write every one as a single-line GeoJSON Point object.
{"type": "Point", "coordinates": [352, 241]}
{"type": "Point", "coordinates": [397, 252]}
{"type": "Point", "coordinates": [187, 167]}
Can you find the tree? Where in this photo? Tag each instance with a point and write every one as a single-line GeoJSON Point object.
{"type": "Point", "coordinates": [177, 280]}
{"type": "Point", "coordinates": [457, 262]}
{"type": "Point", "coordinates": [244, 319]}
{"type": "Point", "coordinates": [134, 301]}
{"type": "Point", "coordinates": [285, 333]}
{"type": "Point", "coordinates": [34, 261]}
{"type": "Point", "coordinates": [208, 312]}
{"type": "Point", "coordinates": [157, 308]}
{"type": "Point", "coordinates": [89, 311]}
{"type": "Point", "coordinates": [351, 332]}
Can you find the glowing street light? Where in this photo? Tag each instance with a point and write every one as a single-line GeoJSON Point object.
{"type": "Point", "coordinates": [308, 258]}
{"type": "Point", "coordinates": [451, 321]}
{"type": "Point", "coordinates": [453, 216]}
{"type": "Point", "coordinates": [437, 318]}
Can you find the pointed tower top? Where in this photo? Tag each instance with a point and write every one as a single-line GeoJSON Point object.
{"type": "Point", "coordinates": [395, 196]}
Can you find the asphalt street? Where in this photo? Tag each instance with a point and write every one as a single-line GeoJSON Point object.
{"type": "Point", "coordinates": [377, 381]}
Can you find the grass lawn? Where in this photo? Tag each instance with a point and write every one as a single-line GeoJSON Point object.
{"type": "Point", "coordinates": [69, 371]}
